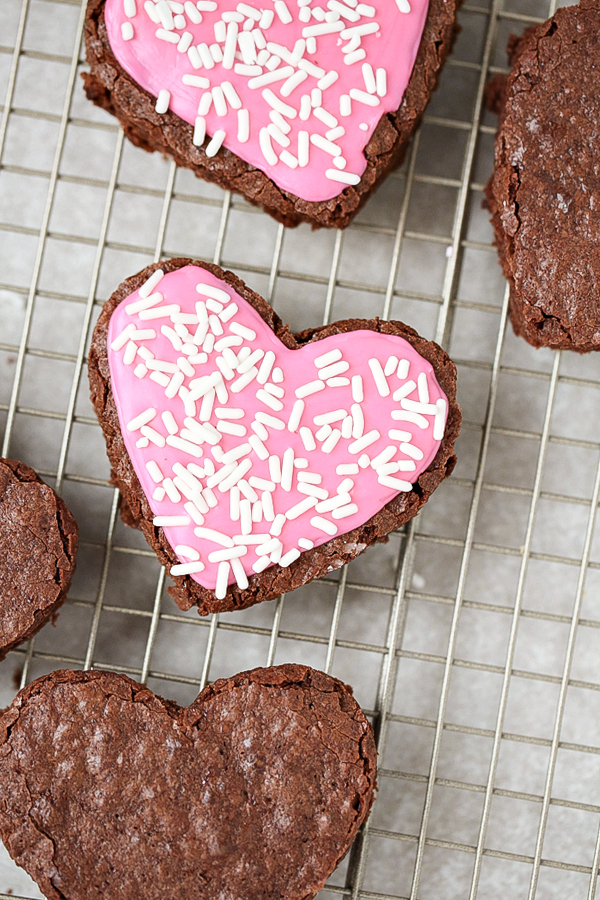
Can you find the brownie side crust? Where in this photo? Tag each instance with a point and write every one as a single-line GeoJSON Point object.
{"type": "Point", "coordinates": [110, 87]}
{"type": "Point", "coordinates": [544, 194]}
{"type": "Point", "coordinates": [38, 544]}
{"type": "Point", "coordinates": [312, 563]}
{"type": "Point", "coordinates": [256, 790]}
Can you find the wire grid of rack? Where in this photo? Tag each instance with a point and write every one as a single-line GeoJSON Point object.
{"type": "Point", "coordinates": [472, 637]}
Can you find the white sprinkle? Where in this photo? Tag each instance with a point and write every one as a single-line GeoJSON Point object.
{"type": "Point", "coordinates": [358, 418]}
{"type": "Point", "coordinates": [295, 415]}
{"type": "Point", "coordinates": [312, 490]}
{"type": "Point", "coordinates": [379, 378]}
{"type": "Point", "coordinates": [267, 506]}
{"type": "Point", "coordinates": [230, 45]}
{"type": "Point", "coordinates": [174, 385]}
{"type": "Point", "coordinates": [344, 486]}
{"type": "Point", "coordinates": [270, 77]}
{"type": "Point", "coordinates": [261, 564]}
{"type": "Point", "coordinates": [283, 12]}
{"type": "Point", "coordinates": [172, 492]}
{"type": "Point", "coordinates": [159, 492]}
{"type": "Point", "coordinates": [122, 338]}
{"type": "Point", "coordinates": [381, 82]}
{"type": "Point", "coordinates": [217, 537]}
{"type": "Point", "coordinates": [333, 503]}
{"type": "Point", "coordinates": [426, 409]}
{"type": "Point", "coordinates": [166, 521]}
{"type": "Point", "coordinates": [310, 388]}
{"type": "Point", "coordinates": [344, 511]}
{"type": "Point", "coordinates": [303, 148]}
{"type": "Point", "coordinates": [305, 544]}
{"type": "Point", "coordinates": [152, 435]}
{"type": "Point", "coordinates": [277, 525]}
{"type": "Point", "coordinates": [242, 331]}
{"type": "Point", "coordinates": [404, 391]}
{"type": "Point", "coordinates": [397, 484]}
{"type": "Point", "coordinates": [205, 103]}
{"type": "Point", "coordinates": [396, 435]}
{"type": "Point", "coordinates": [365, 441]}
{"type": "Point", "coordinates": [194, 57]}
{"type": "Point", "coordinates": [190, 568]}
{"type": "Point", "coordinates": [144, 303]}
{"type": "Point", "coordinates": [267, 547]}
{"type": "Point", "coordinates": [390, 366]}
{"type": "Point", "coordinates": [335, 415]}
{"type": "Point", "coordinates": [355, 57]}
{"type": "Point", "coordinates": [439, 423]}
{"type": "Point", "coordinates": [185, 42]}
{"type": "Point", "coordinates": [407, 416]}
{"type": "Point", "coordinates": [369, 78]}
{"type": "Point", "coordinates": [188, 552]}
{"type": "Point", "coordinates": [215, 143]}
{"type": "Point", "coordinates": [234, 504]}
{"type": "Point", "coordinates": [222, 580]}
{"type": "Point", "coordinates": [347, 426]}
{"type": "Point", "coordinates": [323, 144]}
{"type": "Point", "coordinates": [326, 359]}
{"type": "Point", "coordinates": [342, 177]}
{"type": "Point", "coordinates": [270, 421]}
{"type": "Point", "coordinates": [169, 36]}
{"type": "Point", "coordinates": [323, 525]}
{"type": "Point", "coordinates": [345, 105]}
{"type": "Point", "coordinates": [184, 446]}
{"type": "Point", "coordinates": [347, 469]}
{"type": "Point", "coordinates": [305, 107]}
{"type": "Point", "coordinates": [232, 478]}
{"type": "Point", "coordinates": [227, 554]}
{"type": "Point", "coordinates": [231, 428]}
{"type": "Point", "coordinates": [127, 31]}
{"type": "Point", "coordinates": [403, 6]}
{"type": "Point", "coordinates": [162, 101]}
{"type": "Point", "coordinates": [324, 28]}
{"type": "Point", "coordinates": [326, 117]}
{"type": "Point", "coordinates": [411, 450]}
{"type": "Point", "coordinates": [332, 135]}
{"type": "Point", "coordinates": [151, 11]}
{"type": "Point", "coordinates": [239, 574]}
{"type": "Point", "coordinates": [260, 430]}
{"type": "Point", "coordinates": [358, 394]}
{"type": "Point", "coordinates": [274, 389]}
{"type": "Point", "coordinates": [293, 82]}
{"type": "Point", "coordinates": [310, 477]}
{"type": "Point", "coordinates": [288, 558]}
{"type": "Point", "coordinates": [423, 387]}
{"type": "Point", "coordinates": [277, 375]}
{"type": "Point", "coordinates": [142, 419]}
{"type": "Point", "coordinates": [287, 469]}
{"type": "Point", "coordinates": [240, 383]}
{"type": "Point", "coordinates": [154, 471]}
{"type": "Point", "coordinates": [159, 378]}
{"type": "Point", "coordinates": [209, 290]}
{"type": "Point", "coordinates": [278, 104]}
{"type": "Point", "coordinates": [308, 438]}
{"type": "Point", "coordinates": [331, 442]}
{"type": "Point", "coordinates": [385, 456]}
{"type": "Point", "coordinates": [323, 432]}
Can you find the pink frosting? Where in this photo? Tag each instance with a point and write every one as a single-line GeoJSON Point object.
{"type": "Point", "coordinates": [135, 392]}
{"type": "Point", "coordinates": [158, 65]}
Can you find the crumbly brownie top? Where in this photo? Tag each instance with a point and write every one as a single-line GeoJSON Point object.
{"type": "Point", "coordinates": [256, 790]}
{"type": "Point", "coordinates": [38, 543]}
{"type": "Point", "coordinates": [545, 191]}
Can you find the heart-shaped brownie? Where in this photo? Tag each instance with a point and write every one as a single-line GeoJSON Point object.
{"type": "Point", "coordinates": [38, 545]}
{"type": "Point", "coordinates": [302, 107]}
{"type": "Point", "coordinates": [295, 91]}
{"type": "Point", "coordinates": [252, 454]}
{"type": "Point", "coordinates": [255, 790]}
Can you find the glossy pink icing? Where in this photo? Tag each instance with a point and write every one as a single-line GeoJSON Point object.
{"type": "Point", "coordinates": [156, 64]}
{"type": "Point", "coordinates": [133, 395]}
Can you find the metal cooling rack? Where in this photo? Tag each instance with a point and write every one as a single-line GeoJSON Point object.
{"type": "Point", "coordinates": [472, 637]}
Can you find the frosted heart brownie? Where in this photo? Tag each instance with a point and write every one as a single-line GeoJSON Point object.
{"type": "Point", "coordinates": [257, 789]}
{"type": "Point", "coordinates": [301, 106]}
{"type": "Point", "coordinates": [38, 545]}
{"type": "Point", "coordinates": [254, 460]}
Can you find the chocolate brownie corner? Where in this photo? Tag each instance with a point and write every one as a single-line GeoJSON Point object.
{"type": "Point", "coordinates": [544, 194]}
{"type": "Point", "coordinates": [38, 544]}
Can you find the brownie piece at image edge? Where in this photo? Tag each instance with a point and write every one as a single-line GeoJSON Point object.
{"type": "Point", "coordinates": [38, 544]}
{"type": "Point", "coordinates": [257, 789]}
{"type": "Point", "coordinates": [544, 194]}
{"type": "Point", "coordinates": [111, 88]}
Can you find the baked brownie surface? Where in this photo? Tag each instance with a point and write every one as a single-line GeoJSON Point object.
{"type": "Point", "coordinates": [544, 194]}
{"type": "Point", "coordinates": [110, 87]}
{"type": "Point", "coordinates": [256, 790]}
{"type": "Point", "coordinates": [312, 563]}
{"type": "Point", "coordinates": [38, 543]}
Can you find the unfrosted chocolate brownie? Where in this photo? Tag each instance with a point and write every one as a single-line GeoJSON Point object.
{"type": "Point", "coordinates": [256, 790]}
{"type": "Point", "coordinates": [312, 563]}
{"type": "Point", "coordinates": [109, 86]}
{"type": "Point", "coordinates": [544, 194]}
{"type": "Point", "coordinates": [38, 543]}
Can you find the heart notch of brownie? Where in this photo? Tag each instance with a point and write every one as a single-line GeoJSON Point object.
{"type": "Point", "coordinates": [256, 789]}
